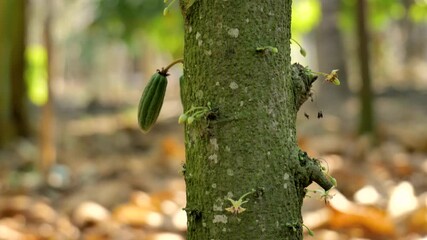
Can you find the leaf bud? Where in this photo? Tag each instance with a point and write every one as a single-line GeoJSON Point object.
{"type": "Point", "coordinates": [182, 118]}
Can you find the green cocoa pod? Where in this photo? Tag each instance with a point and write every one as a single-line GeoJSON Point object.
{"type": "Point", "coordinates": [151, 101]}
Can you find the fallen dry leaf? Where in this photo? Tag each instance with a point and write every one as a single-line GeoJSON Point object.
{"type": "Point", "coordinates": [89, 213]}
{"type": "Point", "coordinates": [137, 216]}
{"type": "Point", "coordinates": [173, 149]}
{"type": "Point", "coordinates": [418, 221]}
{"type": "Point", "coordinates": [402, 200]}
{"type": "Point", "coordinates": [164, 236]}
{"type": "Point", "coordinates": [346, 214]}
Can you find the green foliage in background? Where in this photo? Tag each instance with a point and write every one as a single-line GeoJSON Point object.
{"type": "Point", "coordinates": [135, 21]}
{"type": "Point", "coordinates": [306, 15]}
{"type": "Point", "coordinates": [418, 11]}
{"type": "Point", "coordinates": [36, 74]}
{"type": "Point", "coordinates": [166, 32]}
{"type": "Point", "coordinates": [140, 23]}
{"type": "Point", "coordinates": [382, 12]}
{"type": "Point", "coordinates": [121, 18]}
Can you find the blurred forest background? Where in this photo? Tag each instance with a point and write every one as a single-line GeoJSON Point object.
{"type": "Point", "coordinates": [74, 165]}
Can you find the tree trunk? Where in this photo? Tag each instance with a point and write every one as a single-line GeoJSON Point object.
{"type": "Point", "coordinates": [13, 104]}
{"type": "Point", "coordinates": [47, 123]}
{"type": "Point", "coordinates": [5, 95]}
{"type": "Point", "coordinates": [366, 122]}
{"type": "Point", "coordinates": [331, 53]}
{"type": "Point", "coordinates": [247, 142]}
{"type": "Point", "coordinates": [19, 88]}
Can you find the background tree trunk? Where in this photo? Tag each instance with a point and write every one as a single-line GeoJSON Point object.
{"type": "Point", "coordinates": [330, 52]}
{"type": "Point", "coordinates": [47, 123]}
{"type": "Point", "coordinates": [13, 95]}
{"type": "Point", "coordinates": [249, 141]}
{"type": "Point", "coordinates": [366, 122]}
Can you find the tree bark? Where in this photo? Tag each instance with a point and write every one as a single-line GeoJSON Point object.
{"type": "Point", "coordinates": [247, 141]}
{"type": "Point", "coordinates": [5, 95]}
{"type": "Point", "coordinates": [366, 121]}
{"type": "Point", "coordinates": [19, 88]}
{"type": "Point", "coordinates": [13, 95]}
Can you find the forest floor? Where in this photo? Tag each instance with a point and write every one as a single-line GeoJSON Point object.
{"type": "Point", "coordinates": [110, 181]}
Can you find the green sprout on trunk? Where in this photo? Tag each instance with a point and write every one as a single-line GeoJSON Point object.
{"type": "Point", "coordinates": [236, 206]}
{"type": "Point", "coordinates": [194, 113]}
{"type": "Point", "coordinates": [265, 49]}
{"type": "Point", "coordinates": [166, 10]}
{"type": "Point", "coordinates": [301, 49]}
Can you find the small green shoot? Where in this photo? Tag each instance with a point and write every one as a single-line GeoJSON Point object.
{"type": "Point", "coordinates": [301, 49]}
{"type": "Point", "coordinates": [189, 3]}
{"type": "Point", "coordinates": [166, 10]}
{"type": "Point", "coordinates": [236, 206]}
{"type": "Point", "coordinates": [311, 233]}
{"type": "Point", "coordinates": [325, 195]}
{"type": "Point", "coordinates": [296, 225]}
{"type": "Point", "coordinates": [194, 113]}
{"type": "Point", "coordinates": [182, 118]}
{"type": "Point", "coordinates": [292, 225]}
{"type": "Point", "coordinates": [267, 49]}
